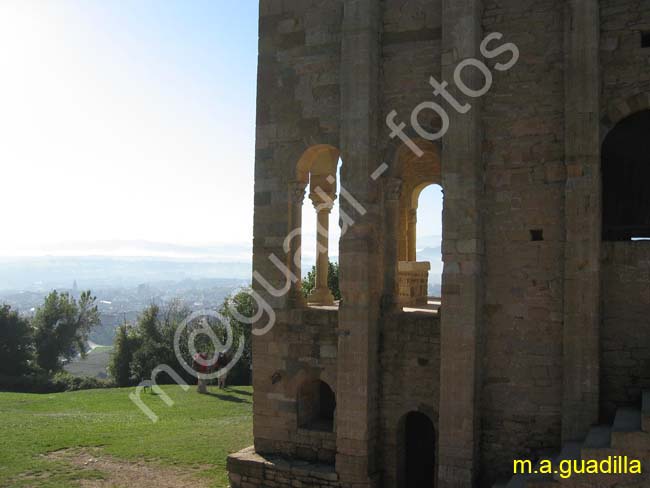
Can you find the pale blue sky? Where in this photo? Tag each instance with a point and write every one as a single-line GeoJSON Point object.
{"type": "Point", "coordinates": [129, 120]}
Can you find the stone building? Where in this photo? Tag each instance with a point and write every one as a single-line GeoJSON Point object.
{"type": "Point", "coordinates": [542, 343]}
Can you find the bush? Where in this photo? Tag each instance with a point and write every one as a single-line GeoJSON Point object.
{"type": "Point", "coordinates": [31, 382]}
{"type": "Point", "coordinates": [63, 381]}
{"type": "Point", "coordinates": [41, 382]}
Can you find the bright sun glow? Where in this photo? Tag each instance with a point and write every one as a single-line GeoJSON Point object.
{"type": "Point", "coordinates": [124, 126]}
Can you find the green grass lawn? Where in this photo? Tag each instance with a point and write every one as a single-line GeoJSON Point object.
{"type": "Point", "coordinates": [197, 431]}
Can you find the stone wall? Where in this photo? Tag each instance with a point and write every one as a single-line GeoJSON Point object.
{"type": "Point", "coordinates": [298, 105]}
{"type": "Point", "coordinates": [625, 341]}
{"type": "Point", "coordinates": [523, 151]}
{"type": "Point", "coordinates": [410, 380]}
{"type": "Point", "coordinates": [519, 247]}
{"type": "Point", "coordinates": [625, 287]}
{"type": "Point", "coordinates": [624, 63]}
{"type": "Point", "coordinates": [410, 50]}
{"type": "Point", "coordinates": [247, 469]}
{"type": "Point", "coordinates": [304, 351]}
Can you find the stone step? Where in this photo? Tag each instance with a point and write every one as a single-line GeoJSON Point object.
{"type": "Point", "coordinates": [570, 451]}
{"type": "Point", "coordinates": [629, 431]}
{"type": "Point", "coordinates": [529, 480]}
{"type": "Point", "coordinates": [628, 419]}
{"type": "Point", "coordinates": [598, 437]}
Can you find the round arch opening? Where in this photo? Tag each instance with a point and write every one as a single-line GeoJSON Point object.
{"type": "Point", "coordinates": [316, 406]}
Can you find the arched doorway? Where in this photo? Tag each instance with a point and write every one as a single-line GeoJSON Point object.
{"type": "Point", "coordinates": [417, 450]}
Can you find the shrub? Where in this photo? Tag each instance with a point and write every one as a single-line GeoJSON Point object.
{"type": "Point", "coordinates": [63, 381]}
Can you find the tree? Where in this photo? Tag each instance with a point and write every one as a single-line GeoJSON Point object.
{"type": "Point", "coordinates": [151, 350]}
{"type": "Point", "coordinates": [126, 343]}
{"type": "Point", "coordinates": [15, 343]}
{"type": "Point", "coordinates": [241, 305]}
{"type": "Point", "coordinates": [333, 280]}
{"type": "Point", "coordinates": [309, 282]}
{"type": "Point", "coordinates": [61, 328]}
{"type": "Point", "coordinates": [150, 343]}
{"type": "Point", "coordinates": [154, 342]}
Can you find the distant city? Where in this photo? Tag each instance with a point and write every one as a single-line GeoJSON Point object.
{"type": "Point", "coordinates": [120, 304]}
{"type": "Point", "coordinates": [196, 277]}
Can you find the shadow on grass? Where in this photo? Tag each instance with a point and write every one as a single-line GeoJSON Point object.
{"type": "Point", "coordinates": [240, 392]}
{"type": "Point", "coordinates": [226, 397]}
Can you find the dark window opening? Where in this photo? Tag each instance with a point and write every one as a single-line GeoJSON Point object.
{"type": "Point", "coordinates": [316, 406]}
{"type": "Point", "coordinates": [625, 165]}
{"type": "Point", "coordinates": [536, 235]}
{"type": "Point", "coordinates": [645, 39]}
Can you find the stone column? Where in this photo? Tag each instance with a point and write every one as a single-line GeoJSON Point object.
{"type": "Point", "coordinates": [582, 219]}
{"type": "Point", "coordinates": [462, 281]}
{"type": "Point", "coordinates": [321, 295]}
{"type": "Point", "coordinates": [402, 236]}
{"type": "Point", "coordinates": [412, 234]}
{"type": "Point", "coordinates": [296, 199]}
{"type": "Point", "coordinates": [393, 187]}
{"type": "Point", "coordinates": [361, 275]}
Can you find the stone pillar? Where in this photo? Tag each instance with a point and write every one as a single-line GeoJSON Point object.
{"type": "Point", "coordinates": [321, 295]}
{"type": "Point", "coordinates": [412, 234]}
{"type": "Point", "coordinates": [582, 219]}
{"type": "Point", "coordinates": [392, 188]}
{"type": "Point", "coordinates": [361, 275]}
{"type": "Point", "coordinates": [296, 199]}
{"type": "Point", "coordinates": [462, 281]}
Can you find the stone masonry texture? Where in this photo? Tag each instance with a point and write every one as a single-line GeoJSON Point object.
{"type": "Point", "coordinates": [544, 328]}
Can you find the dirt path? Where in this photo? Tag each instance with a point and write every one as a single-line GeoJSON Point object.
{"type": "Point", "coordinates": [126, 474]}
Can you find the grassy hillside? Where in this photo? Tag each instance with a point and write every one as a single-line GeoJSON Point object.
{"type": "Point", "coordinates": [93, 365]}
{"type": "Point", "coordinates": [195, 434]}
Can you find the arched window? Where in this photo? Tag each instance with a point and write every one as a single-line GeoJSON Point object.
{"type": "Point", "coordinates": [428, 236]}
{"type": "Point", "coordinates": [311, 247]}
{"type": "Point", "coordinates": [316, 406]}
{"type": "Point", "coordinates": [419, 235]}
{"type": "Point", "coordinates": [625, 164]}
{"type": "Point", "coordinates": [316, 172]}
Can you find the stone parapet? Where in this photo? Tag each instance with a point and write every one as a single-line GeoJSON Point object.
{"type": "Point", "coordinates": [413, 282]}
{"type": "Point", "coordinates": [249, 469]}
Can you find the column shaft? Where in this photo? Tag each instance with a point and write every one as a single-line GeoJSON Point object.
{"type": "Point", "coordinates": [582, 219]}
{"type": "Point", "coordinates": [296, 198]}
{"type": "Point", "coordinates": [412, 234]}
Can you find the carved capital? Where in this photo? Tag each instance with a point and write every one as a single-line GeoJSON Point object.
{"type": "Point", "coordinates": [297, 192]}
{"type": "Point", "coordinates": [322, 201]}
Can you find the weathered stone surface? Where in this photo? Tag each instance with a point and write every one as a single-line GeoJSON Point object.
{"type": "Point", "coordinates": [543, 329]}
